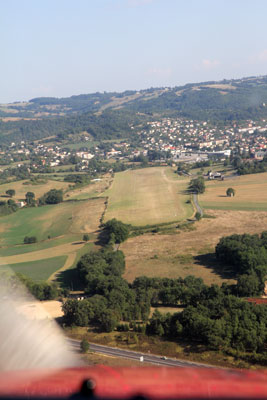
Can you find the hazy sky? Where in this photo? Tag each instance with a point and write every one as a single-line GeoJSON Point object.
{"type": "Point", "coordinates": [65, 47]}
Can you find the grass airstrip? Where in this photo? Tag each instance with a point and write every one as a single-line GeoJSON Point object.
{"type": "Point", "coordinates": [148, 196]}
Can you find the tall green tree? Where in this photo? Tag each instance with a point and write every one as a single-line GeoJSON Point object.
{"type": "Point", "coordinates": [230, 192]}
{"type": "Point", "coordinates": [30, 198]}
{"type": "Point", "coordinates": [11, 192]}
{"type": "Point", "coordinates": [116, 230]}
{"type": "Point", "coordinates": [197, 185]}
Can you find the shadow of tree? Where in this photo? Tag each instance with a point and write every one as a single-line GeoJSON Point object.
{"type": "Point", "coordinates": [210, 261]}
{"type": "Point", "coordinates": [102, 238]}
{"type": "Point", "coordinates": [70, 279]}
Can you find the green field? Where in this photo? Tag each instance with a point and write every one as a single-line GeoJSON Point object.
{"type": "Point", "coordinates": [251, 193]}
{"type": "Point", "coordinates": [148, 196]}
{"type": "Point", "coordinates": [41, 269]}
{"type": "Point", "coordinates": [53, 220]}
{"type": "Point", "coordinates": [46, 244]}
{"type": "Point", "coordinates": [59, 230]}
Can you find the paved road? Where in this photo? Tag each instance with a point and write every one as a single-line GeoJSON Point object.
{"type": "Point", "coordinates": [195, 200]}
{"type": "Point", "coordinates": [149, 358]}
{"type": "Point", "coordinates": [233, 176]}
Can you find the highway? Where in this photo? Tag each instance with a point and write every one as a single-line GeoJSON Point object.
{"type": "Point", "coordinates": [133, 355]}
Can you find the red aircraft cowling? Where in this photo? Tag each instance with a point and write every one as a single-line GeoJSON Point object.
{"type": "Point", "coordinates": [150, 382]}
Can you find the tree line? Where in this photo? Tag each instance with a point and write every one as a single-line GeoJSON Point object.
{"type": "Point", "coordinates": [252, 167]}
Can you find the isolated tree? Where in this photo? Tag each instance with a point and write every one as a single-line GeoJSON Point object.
{"type": "Point", "coordinates": [86, 237]}
{"type": "Point", "coordinates": [85, 346]}
{"type": "Point", "coordinates": [30, 198]}
{"type": "Point", "coordinates": [11, 192]}
{"type": "Point", "coordinates": [230, 192]}
{"type": "Point", "coordinates": [54, 196]}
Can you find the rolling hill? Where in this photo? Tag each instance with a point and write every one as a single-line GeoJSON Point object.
{"type": "Point", "coordinates": [110, 115]}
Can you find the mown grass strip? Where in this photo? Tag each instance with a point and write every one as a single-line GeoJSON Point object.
{"type": "Point", "coordinates": [39, 270]}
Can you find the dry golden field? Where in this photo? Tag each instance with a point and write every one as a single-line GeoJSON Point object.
{"type": "Point", "coordinates": [251, 193]}
{"type": "Point", "coordinates": [93, 190]}
{"type": "Point", "coordinates": [38, 190]}
{"type": "Point", "coordinates": [189, 252]}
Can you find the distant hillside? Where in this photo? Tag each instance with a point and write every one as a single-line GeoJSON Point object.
{"type": "Point", "coordinates": [109, 114]}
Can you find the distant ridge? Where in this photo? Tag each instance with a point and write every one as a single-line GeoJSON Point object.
{"type": "Point", "coordinates": [110, 114]}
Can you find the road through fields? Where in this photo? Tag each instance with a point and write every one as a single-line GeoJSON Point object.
{"type": "Point", "coordinates": [148, 358]}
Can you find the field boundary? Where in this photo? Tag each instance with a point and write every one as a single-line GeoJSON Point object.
{"type": "Point", "coordinates": [68, 263]}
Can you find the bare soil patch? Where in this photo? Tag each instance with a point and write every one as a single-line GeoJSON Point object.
{"type": "Point", "coordinates": [220, 86]}
{"type": "Point", "coordinates": [41, 309]}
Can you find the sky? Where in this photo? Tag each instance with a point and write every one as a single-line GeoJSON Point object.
{"type": "Point", "coordinates": [61, 48]}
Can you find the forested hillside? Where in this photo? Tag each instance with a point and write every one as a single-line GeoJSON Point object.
{"type": "Point", "coordinates": [108, 115]}
{"type": "Point", "coordinates": [107, 125]}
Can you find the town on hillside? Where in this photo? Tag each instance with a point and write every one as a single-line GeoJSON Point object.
{"type": "Point", "coordinates": [173, 139]}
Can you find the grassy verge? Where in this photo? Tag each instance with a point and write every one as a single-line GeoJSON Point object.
{"type": "Point", "coordinates": [156, 345]}
{"type": "Point", "coordinates": [84, 250]}
{"type": "Point", "coordinates": [95, 359]}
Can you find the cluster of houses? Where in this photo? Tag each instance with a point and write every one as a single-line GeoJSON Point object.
{"type": "Point", "coordinates": [184, 140]}
{"type": "Point", "coordinates": [191, 141]}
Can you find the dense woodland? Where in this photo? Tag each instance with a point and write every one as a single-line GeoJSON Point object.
{"type": "Point", "coordinates": [107, 125]}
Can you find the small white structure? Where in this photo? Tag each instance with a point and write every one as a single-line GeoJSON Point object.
{"type": "Point", "coordinates": [20, 204]}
